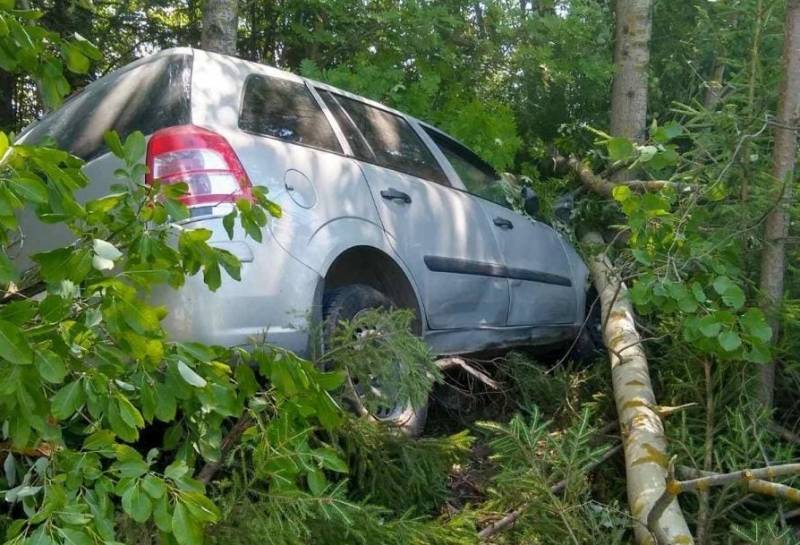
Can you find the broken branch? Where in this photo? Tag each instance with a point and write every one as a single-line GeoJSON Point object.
{"type": "Point", "coordinates": [604, 187]}
{"type": "Point", "coordinates": [757, 480]}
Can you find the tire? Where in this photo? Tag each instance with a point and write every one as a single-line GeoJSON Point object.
{"type": "Point", "coordinates": [344, 304]}
{"type": "Point", "coordinates": [589, 344]}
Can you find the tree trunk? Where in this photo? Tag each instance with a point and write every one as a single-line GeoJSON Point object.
{"type": "Point", "coordinates": [631, 60]}
{"type": "Point", "coordinates": [784, 157]}
{"type": "Point", "coordinates": [641, 428]}
{"type": "Point", "coordinates": [715, 86]}
{"type": "Point", "coordinates": [220, 25]}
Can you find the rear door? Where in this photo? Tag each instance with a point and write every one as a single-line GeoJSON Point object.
{"type": "Point", "coordinates": [437, 231]}
{"type": "Point", "coordinates": [533, 256]}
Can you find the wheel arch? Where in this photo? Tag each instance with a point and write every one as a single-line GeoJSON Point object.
{"type": "Point", "coordinates": [372, 266]}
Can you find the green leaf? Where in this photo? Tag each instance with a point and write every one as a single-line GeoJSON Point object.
{"type": "Point", "coordinates": [188, 374]}
{"type": "Point", "coordinates": [176, 470]}
{"type": "Point", "coordinates": [317, 482]}
{"type": "Point", "coordinates": [185, 529]}
{"type": "Point", "coordinates": [137, 504]}
{"type": "Point", "coordinates": [331, 460]}
{"type": "Point", "coordinates": [30, 189]}
{"type": "Point", "coordinates": [13, 345]}
{"type": "Point", "coordinates": [3, 137]}
{"type": "Point", "coordinates": [67, 400]}
{"type": "Point", "coordinates": [723, 284]}
{"type": "Point", "coordinates": [155, 487]}
{"type": "Point", "coordinates": [50, 366]}
{"type": "Point", "coordinates": [8, 272]}
{"type": "Point", "coordinates": [620, 149]}
{"type": "Point", "coordinates": [176, 210]}
{"type": "Point", "coordinates": [53, 264]}
{"type": "Point", "coordinates": [621, 193]}
{"type": "Point", "coordinates": [729, 341]}
{"type": "Point", "coordinates": [709, 326]}
{"type": "Point", "coordinates": [114, 143]}
{"type": "Point", "coordinates": [77, 62]}
{"type": "Point", "coordinates": [228, 222]}
{"type": "Point", "coordinates": [754, 324]}
{"type": "Point", "coordinates": [129, 413]}
{"type": "Point", "coordinates": [134, 147]}
{"type": "Point", "coordinates": [699, 294]}
{"type": "Point", "coordinates": [201, 508]}
{"type": "Point", "coordinates": [734, 297]}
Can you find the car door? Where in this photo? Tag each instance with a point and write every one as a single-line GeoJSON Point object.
{"type": "Point", "coordinates": [532, 254]}
{"type": "Point", "coordinates": [437, 231]}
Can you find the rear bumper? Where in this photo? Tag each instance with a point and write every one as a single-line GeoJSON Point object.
{"type": "Point", "coordinates": [273, 302]}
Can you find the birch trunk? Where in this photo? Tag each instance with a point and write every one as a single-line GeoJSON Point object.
{"type": "Point", "coordinates": [784, 157]}
{"type": "Point", "coordinates": [631, 60]}
{"type": "Point", "coordinates": [642, 431]}
{"type": "Point", "coordinates": [220, 26]}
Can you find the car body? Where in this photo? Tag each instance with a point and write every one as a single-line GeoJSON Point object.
{"type": "Point", "coordinates": [369, 196]}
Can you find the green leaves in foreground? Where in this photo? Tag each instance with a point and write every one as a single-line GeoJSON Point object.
{"type": "Point", "coordinates": [87, 368]}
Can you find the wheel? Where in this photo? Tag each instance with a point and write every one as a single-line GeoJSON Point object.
{"type": "Point", "coordinates": [346, 303]}
{"type": "Point", "coordinates": [589, 343]}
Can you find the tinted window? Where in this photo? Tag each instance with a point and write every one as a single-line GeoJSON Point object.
{"type": "Point", "coordinates": [146, 97]}
{"type": "Point", "coordinates": [478, 176]}
{"type": "Point", "coordinates": [287, 110]}
{"type": "Point", "coordinates": [394, 143]}
{"type": "Point", "coordinates": [358, 144]}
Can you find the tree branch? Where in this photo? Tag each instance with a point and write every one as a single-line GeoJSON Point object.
{"type": "Point", "coordinates": [604, 187]}
{"type": "Point", "coordinates": [508, 520]}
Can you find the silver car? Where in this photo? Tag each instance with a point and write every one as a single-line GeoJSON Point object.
{"type": "Point", "coordinates": [379, 208]}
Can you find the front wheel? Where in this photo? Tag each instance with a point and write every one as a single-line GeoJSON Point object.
{"type": "Point", "coordinates": [346, 303]}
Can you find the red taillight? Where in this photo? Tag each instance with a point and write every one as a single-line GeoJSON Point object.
{"type": "Point", "coordinates": [202, 159]}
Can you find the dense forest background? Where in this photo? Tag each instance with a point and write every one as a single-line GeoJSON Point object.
{"type": "Point", "coordinates": [672, 123]}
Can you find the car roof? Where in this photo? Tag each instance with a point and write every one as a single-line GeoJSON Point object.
{"type": "Point", "coordinates": [259, 67]}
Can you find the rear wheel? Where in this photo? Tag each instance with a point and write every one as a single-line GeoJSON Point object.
{"type": "Point", "coordinates": [346, 303]}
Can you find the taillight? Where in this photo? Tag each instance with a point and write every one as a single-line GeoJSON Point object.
{"type": "Point", "coordinates": [202, 159]}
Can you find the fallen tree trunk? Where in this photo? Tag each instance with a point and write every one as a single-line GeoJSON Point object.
{"type": "Point", "coordinates": [641, 429]}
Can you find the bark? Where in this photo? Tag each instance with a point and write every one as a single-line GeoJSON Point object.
{"type": "Point", "coordinates": [631, 60]}
{"type": "Point", "coordinates": [757, 481]}
{"type": "Point", "coordinates": [602, 186]}
{"type": "Point", "coordinates": [714, 90]}
{"type": "Point", "coordinates": [784, 156]}
{"type": "Point", "coordinates": [641, 428]}
{"type": "Point", "coordinates": [220, 26]}
{"type": "Point", "coordinates": [228, 442]}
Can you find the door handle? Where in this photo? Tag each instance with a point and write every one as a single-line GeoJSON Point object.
{"type": "Point", "coordinates": [392, 194]}
{"type": "Point", "coordinates": [503, 223]}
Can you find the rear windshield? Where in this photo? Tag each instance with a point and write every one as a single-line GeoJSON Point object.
{"type": "Point", "coordinates": [148, 97]}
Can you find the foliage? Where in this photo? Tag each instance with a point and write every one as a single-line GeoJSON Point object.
{"type": "Point", "coordinates": [531, 460]}
{"type": "Point", "coordinates": [377, 348]}
{"type": "Point", "coordinates": [391, 469]}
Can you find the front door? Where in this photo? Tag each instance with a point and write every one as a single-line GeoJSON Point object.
{"type": "Point", "coordinates": [437, 231]}
{"type": "Point", "coordinates": [533, 258]}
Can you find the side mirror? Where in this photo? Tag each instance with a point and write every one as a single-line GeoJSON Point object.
{"type": "Point", "coordinates": [530, 201]}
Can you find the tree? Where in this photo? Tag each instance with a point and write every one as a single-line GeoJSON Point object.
{"type": "Point", "coordinates": [631, 59]}
{"type": "Point", "coordinates": [220, 25]}
{"type": "Point", "coordinates": [784, 157]}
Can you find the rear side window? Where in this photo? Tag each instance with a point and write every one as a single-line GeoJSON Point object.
{"type": "Point", "coordinates": [478, 176]}
{"type": "Point", "coordinates": [358, 144]}
{"type": "Point", "coordinates": [146, 98]}
{"type": "Point", "coordinates": [393, 142]}
{"type": "Point", "coordinates": [287, 110]}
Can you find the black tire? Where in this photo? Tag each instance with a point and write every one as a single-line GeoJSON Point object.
{"type": "Point", "coordinates": [589, 344]}
{"type": "Point", "coordinates": [343, 304]}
